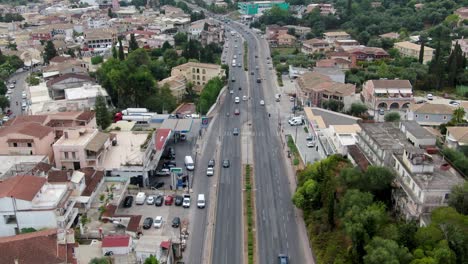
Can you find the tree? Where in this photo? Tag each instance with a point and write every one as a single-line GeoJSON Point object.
{"type": "Point", "coordinates": [357, 109]}
{"type": "Point", "coordinates": [392, 117]}
{"type": "Point", "coordinates": [49, 51]}
{"type": "Point", "coordinates": [132, 44]}
{"type": "Point", "coordinates": [385, 251]}
{"type": "Point", "coordinates": [151, 260]}
{"type": "Point", "coordinates": [4, 102]}
{"type": "Point", "coordinates": [422, 38]}
{"type": "Point", "coordinates": [458, 198]}
{"type": "Point", "coordinates": [180, 38]}
{"type": "Point", "coordinates": [103, 260]}
{"type": "Point", "coordinates": [109, 13]}
{"type": "Point", "coordinates": [114, 52]}
{"type": "Point", "coordinates": [103, 118]}
{"type": "Point", "coordinates": [355, 199]}
{"type": "Point", "coordinates": [121, 51]}
{"type": "Point", "coordinates": [458, 116]}
{"type": "Point", "coordinates": [307, 196]}
{"type": "Point", "coordinates": [3, 88]}
{"type": "Point", "coordinates": [96, 60]}
{"type": "Point", "coordinates": [166, 45]}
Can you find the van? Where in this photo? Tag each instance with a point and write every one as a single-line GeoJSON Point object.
{"type": "Point", "coordinates": [140, 198]}
{"type": "Point", "coordinates": [297, 120]}
{"type": "Point", "coordinates": [201, 201]}
{"type": "Point", "coordinates": [189, 163]}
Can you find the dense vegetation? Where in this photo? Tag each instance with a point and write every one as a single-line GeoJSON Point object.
{"type": "Point", "coordinates": [348, 218]}
{"type": "Point", "coordinates": [209, 94]}
{"type": "Point", "coordinates": [8, 65]}
{"type": "Point", "coordinates": [10, 17]}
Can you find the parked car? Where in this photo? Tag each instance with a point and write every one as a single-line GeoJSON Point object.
{"type": "Point", "coordinates": [176, 222]}
{"type": "Point", "coordinates": [150, 200]}
{"type": "Point", "coordinates": [430, 97]}
{"type": "Point", "coordinates": [128, 201]}
{"type": "Point", "coordinates": [159, 200]}
{"type": "Point", "coordinates": [262, 102]}
{"type": "Point", "coordinates": [178, 200]}
{"type": "Point", "coordinates": [169, 200]}
{"type": "Point", "coordinates": [283, 259]}
{"type": "Point", "coordinates": [454, 103]}
{"type": "Point", "coordinates": [158, 221]}
{"type": "Point", "coordinates": [421, 101]}
{"type": "Point", "coordinates": [310, 143]}
{"type": "Point", "coordinates": [147, 223]}
{"type": "Point", "coordinates": [186, 202]}
{"type": "Point", "coordinates": [164, 172]}
{"type": "Point", "coordinates": [226, 163]}
{"type": "Point", "coordinates": [158, 185]}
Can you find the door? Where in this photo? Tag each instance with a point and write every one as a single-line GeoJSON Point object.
{"type": "Point", "coordinates": [76, 165]}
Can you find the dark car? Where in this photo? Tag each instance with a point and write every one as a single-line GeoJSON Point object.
{"type": "Point", "coordinates": [240, 88]}
{"type": "Point", "coordinates": [178, 200]}
{"type": "Point", "coordinates": [158, 185]}
{"type": "Point", "coordinates": [159, 200]}
{"type": "Point", "coordinates": [211, 163]}
{"type": "Point", "coordinates": [147, 223]}
{"type": "Point", "coordinates": [226, 163]}
{"type": "Point", "coordinates": [283, 259]}
{"type": "Point", "coordinates": [420, 101]}
{"type": "Point", "coordinates": [176, 222]}
{"type": "Point", "coordinates": [128, 201]}
{"type": "Point", "coordinates": [169, 200]}
{"type": "Point", "coordinates": [169, 164]}
{"type": "Point", "coordinates": [259, 80]}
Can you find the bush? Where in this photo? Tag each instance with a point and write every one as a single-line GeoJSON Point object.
{"type": "Point", "coordinates": [392, 117]}
{"type": "Point", "coordinates": [306, 129]}
{"type": "Point", "coordinates": [96, 60]}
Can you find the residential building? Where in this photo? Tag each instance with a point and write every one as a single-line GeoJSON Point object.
{"type": "Point", "coordinates": [100, 38]}
{"type": "Point", "coordinates": [312, 46]}
{"type": "Point", "coordinates": [363, 53]}
{"type": "Point", "coordinates": [295, 72]}
{"type": "Point", "coordinates": [325, 9]}
{"type": "Point", "coordinates": [387, 94]}
{"type": "Point", "coordinates": [52, 246]}
{"type": "Point", "coordinates": [272, 31]}
{"type": "Point", "coordinates": [87, 91]}
{"type": "Point", "coordinates": [299, 31]}
{"type": "Point", "coordinates": [409, 49]}
{"type": "Point", "coordinates": [214, 33]}
{"type": "Point", "coordinates": [196, 28]}
{"type": "Point", "coordinates": [58, 85]}
{"type": "Point", "coordinates": [334, 73]}
{"type": "Point", "coordinates": [177, 84]}
{"type": "Point", "coordinates": [431, 114]}
{"type": "Point", "coordinates": [37, 165]}
{"type": "Point", "coordinates": [390, 35]}
{"type": "Point", "coordinates": [456, 137]}
{"type": "Point", "coordinates": [31, 202]}
{"type": "Point", "coordinates": [69, 66]}
{"type": "Point", "coordinates": [332, 36]}
{"type": "Point", "coordinates": [463, 45]}
{"type": "Point", "coordinates": [334, 63]}
{"type": "Point", "coordinates": [118, 244]}
{"type": "Point", "coordinates": [158, 246]}
{"type": "Point", "coordinates": [462, 13]}
{"type": "Point", "coordinates": [43, 34]}
{"type": "Point", "coordinates": [28, 138]}
{"type": "Point", "coordinates": [198, 73]}
{"type": "Point", "coordinates": [79, 148]}
{"type": "Point", "coordinates": [317, 88]}
{"type": "Point", "coordinates": [345, 44]}
{"type": "Point", "coordinates": [256, 8]}
{"type": "Point", "coordinates": [285, 40]}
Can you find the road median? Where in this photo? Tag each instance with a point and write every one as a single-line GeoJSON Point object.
{"type": "Point", "coordinates": [250, 245]}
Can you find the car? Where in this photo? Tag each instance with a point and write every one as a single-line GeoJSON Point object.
{"type": "Point", "coordinates": [9, 91]}
{"type": "Point", "coordinates": [158, 221]}
{"type": "Point", "coordinates": [256, 56]}
{"type": "Point", "coordinates": [147, 223]}
{"type": "Point", "coordinates": [159, 200]}
{"type": "Point", "coordinates": [236, 100]}
{"type": "Point", "coordinates": [262, 102]}
{"type": "Point", "coordinates": [169, 200]}
{"type": "Point", "coordinates": [259, 80]}
{"type": "Point", "coordinates": [158, 185]}
{"type": "Point", "coordinates": [252, 73]}
{"type": "Point", "coordinates": [283, 259]}
{"type": "Point", "coordinates": [454, 103]}
{"type": "Point", "coordinates": [226, 163]}
{"type": "Point", "coordinates": [239, 65]}
{"type": "Point", "coordinates": [421, 101]}
{"type": "Point", "coordinates": [231, 91]}
{"type": "Point", "coordinates": [169, 164]}
{"type": "Point", "coordinates": [176, 222]}
{"type": "Point", "coordinates": [310, 143]}
{"type": "Point", "coordinates": [235, 131]}
{"type": "Point", "coordinates": [150, 200]}
{"type": "Point", "coordinates": [381, 111]}
{"type": "Point", "coordinates": [291, 99]}
{"type": "Point", "coordinates": [211, 163]}
{"type": "Point", "coordinates": [430, 97]}
{"type": "Point", "coordinates": [186, 201]}
{"type": "Point", "coordinates": [108, 253]}
{"type": "Point", "coordinates": [5, 119]}
{"type": "Point", "coordinates": [163, 172]}
{"type": "Point", "coordinates": [23, 105]}
{"type": "Point", "coordinates": [178, 200]}
{"type": "Point", "coordinates": [209, 171]}
{"type": "Point", "coordinates": [128, 201]}
{"type": "Point", "coordinates": [244, 98]}
{"type": "Point", "coordinates": [11, 86]}
{"type": "Point", "coordinates": [236, 111]}
{"type": "Point", "coordinates": [240, 88]}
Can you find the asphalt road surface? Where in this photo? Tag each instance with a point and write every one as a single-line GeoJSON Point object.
{"type": "Point", "coordinates": [15, 96]}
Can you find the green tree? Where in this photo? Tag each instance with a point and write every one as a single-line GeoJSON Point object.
{"type": "Point", "coordinates": [355, 199]}
{"type": "Point", "coordinates": [392, 117]}
{"type": "Point", "coordinates": [114, 52]}
{"type": "Point", "coordinates": [4, 102]}
{"type": "Point", "coordinates": [307, 196]}
{"type": "Point", "coordinates": [180, 39]}
{"type": "Point", "coordinates": [103, 260]}
{"type": "Point", "coordinates": [151, 260]}
{"type": "Point", "coordinates": [166, 45]}
{"type": "Point", "coordinates": [49, 51]}
{"type": "Point", "coordinates": [358, 109]}
{"type": "Point", "coordinates": [458, 116]}
{"type": "Point", "coordinates": [458, 198]}
{"type": "Point", "coordinates": [96, 60]}
{"type": "Point", "coordinates": [103, 118]}
{"type": "Point", "coordinates": [3, 88]}
{"type": "Point", "coordinates": [385, 251]}
{"type": "Point", "coordinates": [121, 51]}
{"type": "Point", "coordinates": [132, 44]}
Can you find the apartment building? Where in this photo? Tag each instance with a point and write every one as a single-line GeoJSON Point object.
{"type": "Point", "coordinates": [333, 36]}
{"type": "Point", "coordinates": [387, 94]}
{"type": "Point", "coordinates": [431, 114]}
{"type": "Point", "coordinates": [99, 38]}
{"type": "Point", "coordinates": [32, 202]}
{"type": "Point", "coordinates": [81, 147]}
{"type": "Point", "coordinates": [258, 7]}
{"type": "Point", "coordinates": [409, 49]}
{"type": "Point", "coordinates": [198, 73]}
{"type": "Point", "coordinates": [177, 84]}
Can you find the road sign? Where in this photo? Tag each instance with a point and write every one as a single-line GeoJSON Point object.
{"type": "Point", "coordinates": [176, 170]}
{"type": "Point", "coordinates": [204, 121]}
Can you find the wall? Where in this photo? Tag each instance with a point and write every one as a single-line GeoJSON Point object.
{"type": "Point", "coordinates": [431, 118]}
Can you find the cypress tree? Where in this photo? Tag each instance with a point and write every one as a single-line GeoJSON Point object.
{"type": "Point", "coordinates": [121, 51]}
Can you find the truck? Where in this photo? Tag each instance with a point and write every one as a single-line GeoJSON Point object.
{"type": "Point", "coordinates": [140, 198]}
{"type": "Point", "coordinates": [131, 111]}
{"type": "Point", "coordinates": [140, 115]}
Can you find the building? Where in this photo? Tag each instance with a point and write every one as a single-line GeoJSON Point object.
{"type": "Point", "coordinates": [390, 35]}
{"type": "Point", "coordinates": [158, 246]}
{"type": "Point", "coordinates": [345, 44]}
{"type": "Point", "coordinates": [299, 31]}
{"type": "Point", "coordinates": [409, 49]}
{"type": "Point", "coordinates": [52, 246]}
{"type": "Point", "coordinates": [273, 31]}
{"type": "Point", "coordinates": [463, 45]}
{"type": "Point", "coordinates": [456, 137]}
{"type": "Point", "coordinates": [100, 38]}
{"type": "Point", "coordinates": [462, 13]}
{"type": "Point", "coordinates": [285, 40]}
{"type": "Point", "coordinates": [27, 138]}
{"type": "Point", "coordinates": [325, 9]}
{"type": "Point", "coordinates": [58, 85]}
{"type": "Point", "coordinates": [31, 202]}
{"type": "Point", "coordinates": [198, 73]}
{"type": "Point", "coordinates": [257, 8]}
{"type": "Point", "coordinates": [196, 28]}
{"type": "Point", "coordinates": [79, 148]}
{"type": "Point", "coordinates": [317, 88]}
{"type": "Point", "coordinates": [333, 36]}
{"type": "Point", "coordinates": [177, 84]}
{"type": "Point", "coordinates": [312, 46]}
{"type": "Point", "coordinates": [387, 94]}
{"type": "Point", "coordinates": [363, 53]}
{"type": "Point", "coordinates": [87, 91]}
{"type": "Point", "coordinates": [431, 114]}
{"type": "Point", "coordinates": [214, 33]}
{"type": "Point", "coordinates": [118, 244]}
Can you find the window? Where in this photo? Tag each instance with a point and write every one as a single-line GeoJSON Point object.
{"type": "Point", "coordinates": [193, 77]}
{"type": "Point", "coordinates": [198, 70]}
{"type": "Point", "coordinates": [29, 145]}
{"type": "Point", "coordinates": [203, 78]}
{"type": "Point", "coordinates": [65, 154]}
{"type": "Point", "coordinates": [15, 144]}
{"type": "Point", "coordinates": [416, 115]}
{"type": "Point", "coordinates": [445, 117]}
{"type": "Point", "coordinates": [204, 71]}
{"type": "Point", "coordinates": [73, 155]}
{"type": "Point", "coordinates": [193, 70]}
{"type": "Point", "coordinates": [427, 117]}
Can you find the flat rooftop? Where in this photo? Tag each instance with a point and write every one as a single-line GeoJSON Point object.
{"type": "Point", "coordinates": [417, 130]}
{"type": "Point", "coordinates": [334, 118]}
{"type": "Point", "coordinates": [387, 135]}
{"type": "Point", "coordinates": [127, 150]}
{"type": "Point", "coordinates": [51, 196]}
{"type": "Point", "coordinates": [85, 92]}
{"type": "Point", "coordinates": [83, 139]}
{"type": "Point", "coordinates": [7, 162]}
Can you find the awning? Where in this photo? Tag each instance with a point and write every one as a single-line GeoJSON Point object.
{"type": "Point", "coordinates": [165, 244]}
{"type": "Point", "coordinates": [97, 142]}
{"type": "Point", "coordinates": [406, 91]}
{"type": "Point", "coordinates": [393, 91]}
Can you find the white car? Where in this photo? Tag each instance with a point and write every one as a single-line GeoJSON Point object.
{"type": "Point", "coordinates": [150, 200]}
{"type": "Point", "coordinates": [158, 221]}
{"type": "Point", "coordinates": [430, 97]}
{"type": "Point", "coordinates": [209, 171]}
{"type": "Point", "coordinates": [5, 119]}
{"type": "Point", "coordinates": [310, 143]}
{"type": "Point", "coordinates": [9, 91]}
{"type": "Point", "coordinates": [454, 103]}
{"type": "Point", "coordinates": [291, 99]}
{"type": "Point", "coordinates": [23, 95]}
{"type": "Point", "coordinates": [231, 91]}
{"type": "Point", "coordinates": [262, 102]}
{"type": "Point", "coordinates": [186, 201]}
{"type": "Point", "coordinates": [244, 98]}
{"type": "Point", "coordinates": [12, 86]}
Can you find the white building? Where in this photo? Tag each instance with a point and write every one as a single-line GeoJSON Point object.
{"type": "Point", "coordinates": [31, 202]}
{"type": "Point", "coordinates": [119, 244]}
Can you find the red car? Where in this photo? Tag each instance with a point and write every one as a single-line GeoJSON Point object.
{"type": "Point", "coordinates": [169, 200]}
{"type": "Point", "coordinates": [236, 112]}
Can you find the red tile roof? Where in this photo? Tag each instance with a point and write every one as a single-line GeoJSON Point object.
{"type": "Point", "coordinates": [83, 78]}
{"type": "Point", "coordinates": [41, 167]}
{"type": "Point", "coordinates": [39, 119]}
{"type": "Point", "coordinates": [23, 187]}
{"type": "Point", "coordinates": [29, 129]}
{"type": "Point", "coordinates": [161, 138]}
{"type": "Point", "coordinates": [92, 178]}
{"type": "Point", "coordinates": [57, 176]}
{"type": "Point", "coordinates": [35, 247]}
{"type": "Point", "coordinates": [116, 241]}
{"type": "Point", "coordinates": [86, 116]}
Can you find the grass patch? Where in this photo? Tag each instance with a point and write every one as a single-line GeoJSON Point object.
{"type": "Point", "coordinates": [306, 129]}
{"type": "Point", "coordinates": [295, 152]}
{"type": "Point", "coordinates": [283, 51]}
{"type": "Point", "coordinates": [246, 57]}
{"type": "Point", "coordinates": [462, 90]}
{"type": "Point", "coordinates": [249, 207]}
{"type": "Point", "coordinates": [280, 79]}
